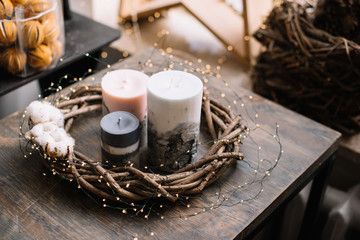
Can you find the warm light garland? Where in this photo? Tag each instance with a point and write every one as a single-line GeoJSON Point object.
{"type": "Point", "coordinates": [262, 169]}
{"type": "Point", "coordinates": [225, 128]}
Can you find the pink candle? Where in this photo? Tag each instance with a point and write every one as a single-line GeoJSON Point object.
{"type": "Point", "coordinates": [125, 90]}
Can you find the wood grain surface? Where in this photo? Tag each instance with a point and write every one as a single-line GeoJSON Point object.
{"type": "Point", "coordinates": [35, 204]}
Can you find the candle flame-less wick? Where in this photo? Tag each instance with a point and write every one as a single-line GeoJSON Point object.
{"type": "Point", "coordinates": [174, 83]}
{"type": "Point", "coordinates": [177, 85]}
{"type": "Point", "coordinates": [118, 121]}
{"type": "Point", "coordinates": [171, 82]}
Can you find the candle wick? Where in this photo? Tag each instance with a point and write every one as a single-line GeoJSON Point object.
{"type": "Point", "coordinates": [171, 83]}
{"type": "Point", "coordinates": [119, 119]}
{"type": "Point", "coordinates": [174, 83]}
{"type": "Point", "coordinates": [178, 84]}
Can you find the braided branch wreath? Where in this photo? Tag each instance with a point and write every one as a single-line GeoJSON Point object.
{"type": "Point", "coordinates": [127, 184]}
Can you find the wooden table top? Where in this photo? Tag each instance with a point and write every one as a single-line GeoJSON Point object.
{"type": "Point", "coordinates": [34, 204]}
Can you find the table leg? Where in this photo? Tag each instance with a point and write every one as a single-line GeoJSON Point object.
{"type": "Point", "coordinates": [310, 228]}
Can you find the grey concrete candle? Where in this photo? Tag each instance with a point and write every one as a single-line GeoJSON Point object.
{"type": "Point", "coordinates": [120, 138]}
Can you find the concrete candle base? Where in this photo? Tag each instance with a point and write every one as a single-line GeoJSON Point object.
{"type": "Point", "coordinates": [174, 149]}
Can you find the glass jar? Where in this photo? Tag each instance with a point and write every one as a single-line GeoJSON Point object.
{"type": "Point", "coordinates": [32, 35]}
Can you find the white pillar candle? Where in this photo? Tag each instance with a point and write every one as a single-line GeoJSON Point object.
{"type": "Point", "coordinates": [174, 112]}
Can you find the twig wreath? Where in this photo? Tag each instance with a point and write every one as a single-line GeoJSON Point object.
{"type": "Point", "coordinates": [308, 69]}
{"type": "Point", "coordinates": [127, 184]}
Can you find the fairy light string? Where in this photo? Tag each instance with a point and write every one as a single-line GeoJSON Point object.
{"type": "Point", "coordinates": [157, 207]}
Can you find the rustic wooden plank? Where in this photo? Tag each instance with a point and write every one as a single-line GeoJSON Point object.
{"type": "Point", "coordinates": [38, 206]}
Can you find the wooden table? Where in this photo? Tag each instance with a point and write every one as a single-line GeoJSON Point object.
{"type": "Point", "coordinates": [34, 204]}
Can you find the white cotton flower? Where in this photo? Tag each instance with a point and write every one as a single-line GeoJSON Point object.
{"type": "Point", "coordinates": [53, 139]}
{"type": "Point", "coordinates": [42, 111]}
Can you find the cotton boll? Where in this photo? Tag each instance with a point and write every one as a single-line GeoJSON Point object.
{"type": "Point", "coordinates": [59, 148]}
{"type": "Point", "coordinates": [54, 140]}
{"type": "Point", "coordinates": [44, 141]}
{"type": "Point", "coordinates": [62, 142]}
{"type": "Point", "coordinates": [41, 112]}
{"type": "Point", "coordinates": [57, 134]}
{"type": "Point", "coordinates": [42, 128]}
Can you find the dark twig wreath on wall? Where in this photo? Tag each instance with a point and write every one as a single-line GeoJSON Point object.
{"type": "Point", "coordinates": [308, 69]}
{"type": "Point", "coordinates": [127, 184]}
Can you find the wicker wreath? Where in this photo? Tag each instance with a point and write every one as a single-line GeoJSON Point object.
{"type": "Point", "coordinates": [308, 69]}
{"type": "Point", "coordinates": [127, 184]}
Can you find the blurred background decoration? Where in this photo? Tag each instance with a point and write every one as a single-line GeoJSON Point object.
{"type": "Point", "coordinates": [231, 21]}
{"type": "Point", "coordinates": [309, 63]}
